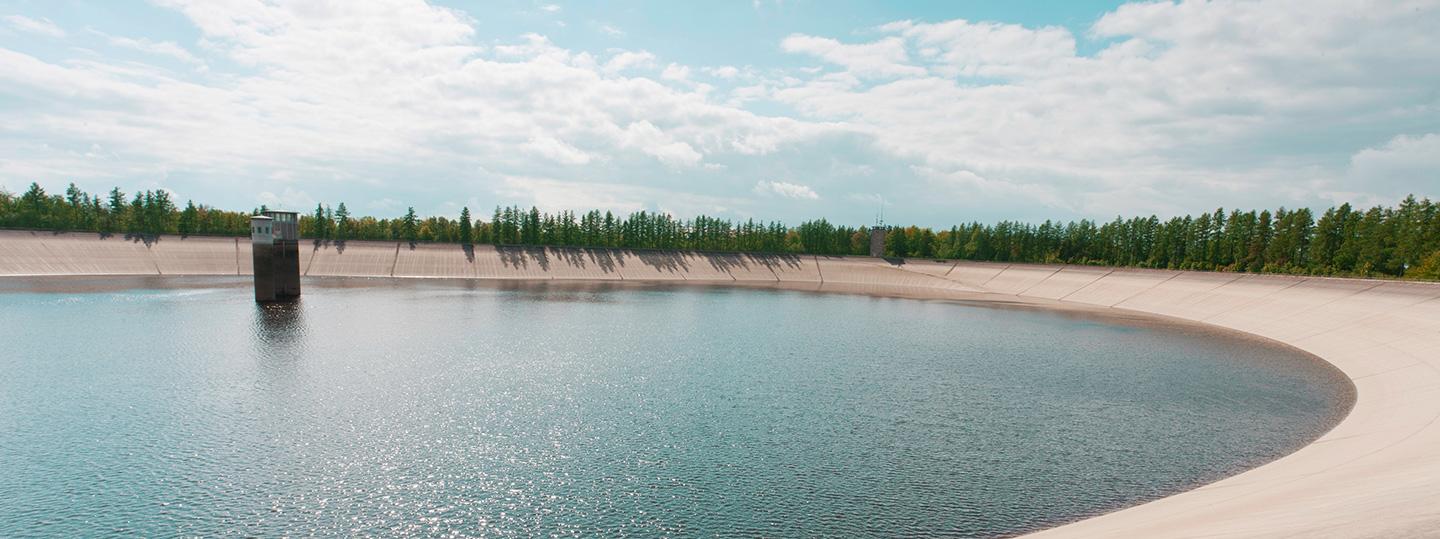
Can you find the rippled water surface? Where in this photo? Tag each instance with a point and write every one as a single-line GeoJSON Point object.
{"type": "Point", "coordinates": [440, 409]}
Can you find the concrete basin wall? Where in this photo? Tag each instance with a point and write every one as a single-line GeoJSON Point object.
{"type": "Point", "coordinates": [1376, 474]}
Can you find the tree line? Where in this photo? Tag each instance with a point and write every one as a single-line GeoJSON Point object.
{"type": "Point", "coordinates": [147, 213]}
{"type": "Point", "coordinates": [1398, 241]}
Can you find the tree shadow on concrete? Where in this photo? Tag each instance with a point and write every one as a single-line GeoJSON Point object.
{"type": "Point", "coordinates": [511, 257]}
{"type": "Point", "coordinates": [744, 261]}
{"type": "Point", "coordinates": [574, 258]}
{"type": "Point", "coordinates": [725, 261]}
{"type": "Point", "coordinates": [147, 239]}
{"type": "Point", "coordinates": [100, 235]}
{"type": "Point", "coordinates": [318, 244]}
{"type": "Point", "coordinates": [776, 262]}
{"type": "Point", "coordinates": [664, 261]}
{"type": "Point", "coordinates": [605, 259]}
{"type": "Point", "coordinates": [520, 256]}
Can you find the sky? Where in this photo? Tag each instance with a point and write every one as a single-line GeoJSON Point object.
{"type": "Point", "coordinates": [939, 112]}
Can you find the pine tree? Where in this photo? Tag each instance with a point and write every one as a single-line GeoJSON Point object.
{"type": "Point", "coordinates": [188, 218]}
{"type": "Point", "coordinates": [116, 216]}
{"type": "Point", "coordinates": [342, 223]}
{"type": "Point", "coordinates": [163, 212]}
{"type": "Point", "coordinates": [409, 227]}
{"type": "Point", "coordinates": [136, 215]}
{"type": "Point", "coordinates": [34, 207]}
{"type": "Point", "coordinates": [466, 234]}
{"type": "Point", "coordinates": [317, 223]}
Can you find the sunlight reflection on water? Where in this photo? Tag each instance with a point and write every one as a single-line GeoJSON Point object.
{"type": "Point", "coordinates": [431, 409]}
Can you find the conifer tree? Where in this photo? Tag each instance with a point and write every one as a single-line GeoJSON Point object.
{"type": "Point", "coordinates": [342, 222]}
{"type": "Point", "coordinates": [409, 227]}
{"type": "Point", "coordinates": [466, 235]}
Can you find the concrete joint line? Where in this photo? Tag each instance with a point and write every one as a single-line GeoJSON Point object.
{"type": "Point", "coordinates": [997, 274]}
{"type": "Point", "coordinates": [1087, 285]}
{"type": "Point", "coordinates": [153, 261]}
{"type": "Point", "coordinates": [1232, 279]}
{"type": "Point", "coordinates": [1407, 437]}
{"type": "Point", "coordinates": [923, 274]}
{"type": "Point", "coordinates": [395, 261]}
{"type": "Point", "coordinates": [1041, 281]}
{"type": "Point", "coordinates": [46, 248]}
{"type": "Point", "coordinates": [314, 250]}
{"type": "Point", "coordinates": [1353, 321]}
{"type": "Point", "coordinates": [1147, 289]}
{"type": "Point", "coordinates": [1251, 301]}
{"type": "Point", "coordinates": [1388, 371]}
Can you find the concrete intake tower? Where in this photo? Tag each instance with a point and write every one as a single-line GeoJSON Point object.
{"type": "Point", "coordinates": [275, 242]}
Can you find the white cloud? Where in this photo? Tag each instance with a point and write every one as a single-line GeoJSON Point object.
{"type": "Point", "coordinates": [553, 195]}
{"type": "Point", "coordinates": [644, 136]}
{"type": "Point", "coordinates": [962, 182]}
{"type": "Point", "coordinates": [1183, 106]}
{"type": "Point", "coordinates": [350, 93]}
{"type": "Point", "coordinates": [723, 72]}
{"type": "Point", "coordinates": [35, 26]}
{"type": "Point", "coordinates": [290, 199]}
{"type": "Point", "coordinates": [161, 48]}
{"type": "Point", "coordinates": [557, 150]}
{"type": "Point", "coordinates": [675, 72]}
{"type": "Point", "coordinates": [609, 30]}
{"type": "Point", "coordinates": [624, 60]}
{"type": "Point", "coordinates": [385, 206]}
{"type": "Point", "coordinates": [884, 58]}
{"type": "Point", "coordinates": [787, 190]}
{"type": "Point", "coordinates": [984, 49]}
{"type": "Point", "coordinates": [550, 8]}
{"type": "Point", "coordinates": [1189, 102]}
{"type": "Point", "coordinates": [557, 195]}
{"type": "Point", "coordinates": [1398, 167]}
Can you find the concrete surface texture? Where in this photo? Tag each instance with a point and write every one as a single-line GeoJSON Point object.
{"type": "Point", "coordinates": [1376, 474]}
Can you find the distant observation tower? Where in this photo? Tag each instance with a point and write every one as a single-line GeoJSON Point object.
{"type": "Point", "coordinates": [877, 233]}
{"type": "Point", "coordinates": [275, 244]}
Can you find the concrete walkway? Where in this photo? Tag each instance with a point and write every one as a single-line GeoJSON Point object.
{"type": "Point", "coordinates": [1376, 474]}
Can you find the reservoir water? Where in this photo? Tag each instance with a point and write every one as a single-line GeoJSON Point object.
{"type": "Point", "coordinates": [464, 409]}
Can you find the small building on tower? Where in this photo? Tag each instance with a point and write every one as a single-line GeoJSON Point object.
{"type": "Point", "coordinates": [275, 250]}
{"type": "Point", "coordinates": [877, 240]}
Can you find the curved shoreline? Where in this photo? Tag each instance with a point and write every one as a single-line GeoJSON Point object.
{"type": "Point", "coordinates": [1376, 473]}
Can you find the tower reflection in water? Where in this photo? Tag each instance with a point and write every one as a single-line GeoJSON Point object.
{"type": "Point", "coordinates": [279, 330]}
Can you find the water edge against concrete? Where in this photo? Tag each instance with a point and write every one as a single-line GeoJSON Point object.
{"type": "Point", "coordinates": [1374, 474]}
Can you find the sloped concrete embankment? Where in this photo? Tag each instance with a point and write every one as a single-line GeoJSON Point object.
{"type": "Point", "coordinates": [47, 253]}
{"type": "Point", "coordinates": [1376, 474]}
